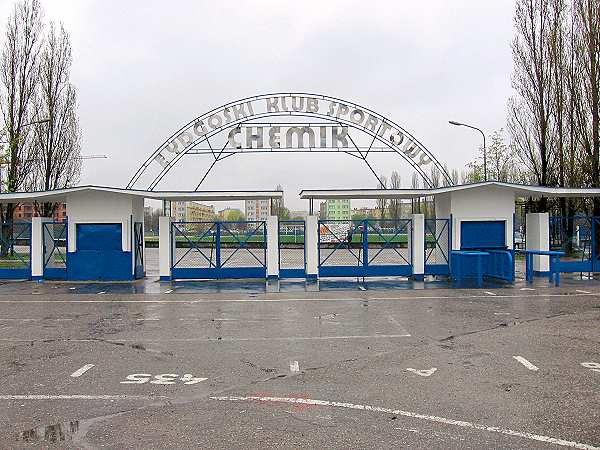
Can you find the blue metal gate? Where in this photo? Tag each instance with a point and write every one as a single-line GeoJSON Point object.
{"type": "Point", "coordinates": [138, 250]}
{"type": "Point", "coordinates": [437, 246]}
{"type": "Point", "coordinates": [365, 248]}
{"type": "Point", "coordinates": [292, 252]}
{"type": "Point", "coordinates": [576, 236]}
{"type": "Point", "coordinates": [218, 250]}
{"type": "Point", "coordinates": [15, 250]}
{"type": "Point", "coordinates": [55, 250]}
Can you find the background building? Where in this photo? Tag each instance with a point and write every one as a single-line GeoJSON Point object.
{"type": "Point", "coordinates": [337, 209]}
{"type": "Point", "coordinates": [192, 212]}
{"type": "Point", "coordinates": [231, 214]}
{"type": "Point", "coordinates": [258, 209]}
{"type": "Point", "coordinates": [25, 211]}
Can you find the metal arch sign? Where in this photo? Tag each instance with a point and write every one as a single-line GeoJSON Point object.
{"type": "Point", "coordinates": [339, 116]}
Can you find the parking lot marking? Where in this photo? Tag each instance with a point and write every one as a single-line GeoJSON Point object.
{"type": "Point", "coordinates": [82, 370]}
{"type": "Point", "coordinates": [81, 397]}
{"type": "Point", "coordinates": [593, 366]}
{"type": "Point", "coordinates": [414, 415]}
{"type": "Point", "coordinates": [489, 293]}
{"type": "Point", "coordinates": [164, 378]}
{"type": "Point", "coordinates": [307, 299]}
{"type": "Point", "coordinates": [582, 292]}
{"type": "Point", "coordinates": [423, 372]}
{"type": "Point", "coordinates": [294, 366]}
{"type": "Point", "coordinates": [526, 363]}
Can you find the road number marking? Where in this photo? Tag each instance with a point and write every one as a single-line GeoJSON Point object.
{"type": "Point", "coordinates": [424, 372]}
{"type": "Point", "coordinates": [526, 363]}
{"type": "Point", "coordinates": [294, 366]}
{"type": "Point", "coordinates": [164, 378]}
{"type": "Point", "coordinates": [593, 366]}
{"type": "Point", "coordinates": [82, 370]}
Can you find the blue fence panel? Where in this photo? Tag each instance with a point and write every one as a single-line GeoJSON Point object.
{"type": "Point", "coordinates": [292, 250]}
{"type": "Point", "coordinates": [437, 246]}
{"type": "Point", "coordinates": [365, 248]}
{"type": "Point", "coordinates": [15, 250]}
{"type": "Point", "coordinates": [217, 250]}
{"type": "Point", "coordinates": [55, 250]}
{"type": "Point", "coordinates": [575, 235]}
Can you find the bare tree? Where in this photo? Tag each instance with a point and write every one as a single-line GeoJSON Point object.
{"type": "Point", "coordinates": [529, 112]}
{"type": "Point", "coordinates": [57, 141]}
{"type": "Point", "coordinates": [415, 203]}
{"type": "Point", "coordinates": [382, 202]}
{"type": "Point", "coordinates": [395, 204]}
{"type": "Point", "coordinates": [19, 80]}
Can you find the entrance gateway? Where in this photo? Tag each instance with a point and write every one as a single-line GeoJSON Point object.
{"type": "Point", "coordinates": [102, 236]}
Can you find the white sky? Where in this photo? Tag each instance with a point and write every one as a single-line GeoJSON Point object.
{"type": "Point", "coordinates": [143, 69]}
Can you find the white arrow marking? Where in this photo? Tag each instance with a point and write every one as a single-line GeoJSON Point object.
{"type": "Point", "coordinates": [526, 363]}
{"type": "Point", "coordinates": [81, 371]}
{"type": "Point", "coordinates": [424, 372]}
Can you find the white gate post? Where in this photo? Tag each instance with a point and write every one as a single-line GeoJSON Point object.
{"type": "Point", "coordinates": [165, 247]}
{"type": "Point", "coordinates": [37, 248]}
{"type": "Point", "coordinates": [311, 246]}
{"type": "Point", "coordinates": [417, 246]}
{"type": "Point", "coordinates": [537, 237]}
{"type": "Point", "coordinates": [273, 247]}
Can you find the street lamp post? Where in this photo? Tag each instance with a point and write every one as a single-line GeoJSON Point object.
{"type": "Point", "coordinates": [459, 124]}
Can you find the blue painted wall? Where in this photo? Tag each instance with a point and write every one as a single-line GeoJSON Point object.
{"type": "Point", "coordinates": [99, 255]}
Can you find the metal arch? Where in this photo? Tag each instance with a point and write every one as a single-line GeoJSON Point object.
{"type": "Point", "coordinates": [148, 161]}
{"type": "Point", "coordinates": [230, 125]}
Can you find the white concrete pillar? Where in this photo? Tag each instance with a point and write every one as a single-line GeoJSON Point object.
{"type": "Point", "coordinates": [311, 246]}
{"type": "Point", "coordinates": [417, 249]}
{"type": "Point", "coordinates": [537, 236]}
{"type": "Point", "coordinates": [272, 247]}
{"type": "Point", "coordinates": [166, 247]}
{"type": "Point", "coordinates": [37, 248]}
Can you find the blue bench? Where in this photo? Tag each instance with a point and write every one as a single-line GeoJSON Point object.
{"type": "Point", "coordinates": [554, 273]}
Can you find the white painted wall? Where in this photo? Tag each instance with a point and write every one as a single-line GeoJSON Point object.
{"type": "Point", "coordinates": [272, 246]}
{"type": "Point", "coordinates": [537, 237]}
{"type": "Point", "coordinates": [102, 207]}
{"type": "Point", "coordinates": [165, 246]}
{"type": "Point", "coordinates": [483, 203]}
{"type": "Point", "coordinates": [311, 244]}
{"type": "Point", "coordinates": [417, 251]}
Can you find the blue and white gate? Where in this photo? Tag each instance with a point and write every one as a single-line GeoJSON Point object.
{"type": "Point", "coordinates": [437, 246]}
{"type": "Point", "coordinates": [365, 248]}
{"type": "Point", "coordinates": [54, 241]}
{"type": "Point", "coordinates": [292, 250]}
{"type": "Point", "coordinates": [577, 237]}
{"type": "Point", "coordinates": [15, 250]}
{"type": "Point", "coordinates": [217, 250]}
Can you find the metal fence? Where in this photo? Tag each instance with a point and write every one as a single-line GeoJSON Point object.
{"type": "Point", "coordinates": [218, 249]}
{"type": "Point", "coordinates": [437, 246]}
{"type": "Point", "coordinates": [292, 255]}
{"type": "Point", "coordinates": [15, 250]}
{"type": "Point", "coordinates": [55, 249]}
{"type": "Point", "coordinates": [576, 236]}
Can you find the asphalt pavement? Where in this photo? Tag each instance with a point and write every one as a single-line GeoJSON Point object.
{"type": "Point", "coordinates": [338, 365]}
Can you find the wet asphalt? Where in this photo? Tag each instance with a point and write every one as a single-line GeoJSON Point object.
{"type": "Point", "coordinates": [338, 365]}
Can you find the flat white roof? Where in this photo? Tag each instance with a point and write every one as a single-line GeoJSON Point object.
{"type": "Point", "coordinates": [61, 194]}
{"type": "Point", "coordinates": [519, 190]}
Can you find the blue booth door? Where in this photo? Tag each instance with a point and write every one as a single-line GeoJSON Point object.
{"type": "Point", "coordinates": [99, 255]}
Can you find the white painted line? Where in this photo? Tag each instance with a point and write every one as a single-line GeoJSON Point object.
{"type": "Point", "coordinates": [362, 288]}
{"type": "Point", "coordinates": [212, 339]}
{"type": "Point", "coordinates": [101, 292]}
{"type": "Point", "coordinates": [307, 299]}
{"type": "Point", "coordinates": [414, 415]}
{"type": "Point", "coordinates": [490, 293]}
{"type": "Point", "coordinates": [582, 292]}
{"type": "Point", "coordinates": [294, 366]}
{"type": "Point", "coordinates": [423, 372]}
{"type": "Point", "coordinates": [82, 370]}
{"type": "Point", "coordinates": [526, 363]}
{"type": "Point", "coordinates": [501, 314]}
{"type": "Point", "coordinates": [81, 397]}
{"type": "Point", "coordinates": [169, 291]}
{"type": "Point", "coordinates": [527, 289]}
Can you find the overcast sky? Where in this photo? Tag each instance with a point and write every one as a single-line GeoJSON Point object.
{"type": "Point", "coordinates": [143, 69]}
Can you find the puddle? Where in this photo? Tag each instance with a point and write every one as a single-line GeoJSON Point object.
{"type": "Point", "coordinates": [59, 432]}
